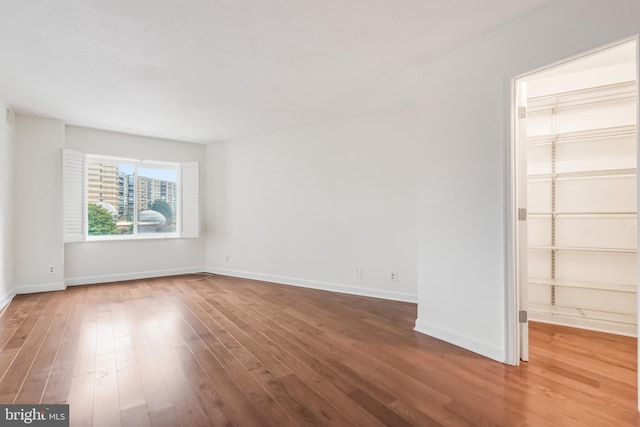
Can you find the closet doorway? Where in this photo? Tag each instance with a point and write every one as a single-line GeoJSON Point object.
{"type": "Point", "coordinates": [575, 194]}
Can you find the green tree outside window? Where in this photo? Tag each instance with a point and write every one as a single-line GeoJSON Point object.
{"type": "Point", "coordinates": [101, 221]}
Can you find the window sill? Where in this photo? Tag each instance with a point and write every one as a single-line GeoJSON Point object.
{"type": "Point", "coordinates": [119, 238]}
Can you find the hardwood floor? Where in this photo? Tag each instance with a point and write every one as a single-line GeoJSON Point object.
{"type": "Point", "coordinates": [224, 351]}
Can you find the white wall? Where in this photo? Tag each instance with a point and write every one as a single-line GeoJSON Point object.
{"type": "Point", "coordinates": [309, 206]}
{"type": "Point", "coordinates": [465, 138]}
{"type": "Point", "coordinates": [6, 207]}
{"type": "Point", "coordinates": [93, 262]}
{"type": "Point", "coordinates": [37, 204]}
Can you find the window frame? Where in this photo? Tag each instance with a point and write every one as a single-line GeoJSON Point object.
{"type": "Point", "coordinates": [75, 197]}
{"type": "Point", "coordinates": [148, 164]}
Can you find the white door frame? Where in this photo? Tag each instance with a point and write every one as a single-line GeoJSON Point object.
{"type": "Point", "coordinates": [514, 292]}
{"type": "Point", "coordinates": [512, 338]}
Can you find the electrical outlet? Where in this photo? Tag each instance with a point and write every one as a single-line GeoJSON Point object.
{"type": "Point", "coordinates": [393, 277]}
{"type": "Point", "coordinates": [228, 258]}
{"type": "Point", "coordinates": [52, 269]}
{"type": "Point", "coordinates": [359, 273]}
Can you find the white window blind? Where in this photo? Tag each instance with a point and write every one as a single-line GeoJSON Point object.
{"type": "Point", "coordinates": [190, 191]}
{"type": "Point", "coordinates": [73, 195]}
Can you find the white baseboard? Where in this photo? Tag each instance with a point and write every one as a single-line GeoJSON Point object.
{"type": "Point", "coordinates": [314, 284]}
{"type": "Point", "coordinates": [88, 280]}
{"type": "Point", "coordinates": [605, 326]}
{"type": "Point", "coordinates": [58, 286]}
{"type": "Point", "coordinates": [460, 340]}
{"type": "Point", "coordinates": [40, 287]}
{"type": "Point", "coordinates": [5, 300]}
{"type": "Point", "coordinates": [28, 289]}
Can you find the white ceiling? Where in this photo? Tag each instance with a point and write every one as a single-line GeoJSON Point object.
{"type": "Point", "coordinates": [209, 70]}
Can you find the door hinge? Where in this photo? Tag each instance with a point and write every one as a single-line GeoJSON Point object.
{"type": "Point", "coordinates": [522, 316]}
{"type": "Point", "coordinates": [522, 112]}
{"type": "Point", "coordinates": [522, 214]}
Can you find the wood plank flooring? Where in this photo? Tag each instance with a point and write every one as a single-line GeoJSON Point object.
{"type": "Point", "coordinates": [219, 351]}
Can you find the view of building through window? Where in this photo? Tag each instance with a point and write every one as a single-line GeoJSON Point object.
{"type": "Point", "coordinates": [112, 191]}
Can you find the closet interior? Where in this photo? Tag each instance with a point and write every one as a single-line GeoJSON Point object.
{"type": "Point", "coordinates": [582, 192]}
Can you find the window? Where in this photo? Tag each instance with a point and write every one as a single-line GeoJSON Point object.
{"type": "Point", "coordinates": [114, 198]}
